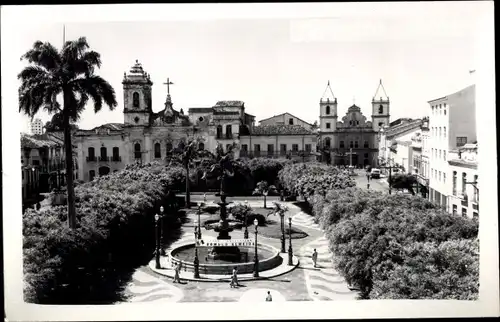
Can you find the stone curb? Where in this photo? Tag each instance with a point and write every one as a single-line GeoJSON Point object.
{"type": "Point", "coordinates": [264, 275]}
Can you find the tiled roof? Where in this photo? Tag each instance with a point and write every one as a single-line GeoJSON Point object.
{"type": "Point", "coordinates": [200, 110]}
{"type": "Point", "coordinates": [280, 129]}
{"type": "Point", "coordinates": [229, 103]}
{"type": "Point", "coordinates": [298, 118]}
{"type": "Point", "coordinates": [111, 126]}
{"type": "Point", "coordinates": [36, 141]}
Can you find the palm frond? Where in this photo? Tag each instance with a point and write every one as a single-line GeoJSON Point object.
{"type": "Point", "coordinates": [44, 55]}
{"type": "Point", "coordinates": [99, 90]}
{"type": "Point", "coordinates": [74, 49]}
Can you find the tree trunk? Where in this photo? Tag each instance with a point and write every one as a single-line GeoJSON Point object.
{"type": "Point", "coordinates": [188, 198]}
{"type": "Point", "coordinates": [69, 173]}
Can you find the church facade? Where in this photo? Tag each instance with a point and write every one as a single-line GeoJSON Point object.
{"type": "Point", "coordinates": [354, 140]}
{"type": "Point", "coordinates": [147, 136]}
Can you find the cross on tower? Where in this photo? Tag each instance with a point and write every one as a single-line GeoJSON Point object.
{"type": "Point", "coordinates": [168, 83]}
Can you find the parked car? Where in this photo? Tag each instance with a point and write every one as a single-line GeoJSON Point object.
{"type": "Point", "coordinates": [375, 173]}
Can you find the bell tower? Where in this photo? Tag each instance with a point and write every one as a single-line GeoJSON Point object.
{"type": "Point", "coordinates": [137, 96]}
{"type": "Point", "coordinates": [328, 111]}
{"type": "Point", "coordinates": [380, 108]}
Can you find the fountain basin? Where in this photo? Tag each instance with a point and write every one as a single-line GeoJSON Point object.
{"type": "Point", "coordinates": [269, 258]}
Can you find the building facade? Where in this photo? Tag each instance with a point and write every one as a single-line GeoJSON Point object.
{"type": "Point", "coordinates": [452, 124]}
{"type": "Point", "coordinates": [146, 135]}
{"type": "Point", "coordinates": [43, 164]}
{"type": "Point", "coordinates": [36, 127]}
{"type": "Point", "coordinates": [464, 198]}
{"type": "Point", "coordinates": [354, 140]}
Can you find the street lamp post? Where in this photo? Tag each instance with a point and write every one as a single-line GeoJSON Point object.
{"type": "Point", "coordinates": [199, 221]}
{"type": "Point", "coordinates": [265, 196]}
{"type": "Point", "coordinates": [256, 257]}
{"type": "Point", "coordinates": [157, 251]}
{"type": "Point", "coordinates": [196, 261]}
{"type": "Point", "coordinates": [245, 234]}
{"type": "Point", "coordinates": [162, 222]}
{"type": "Point", "coordinates": [282, 217]}
{"type": "Point", "coordinates": [290, 250]}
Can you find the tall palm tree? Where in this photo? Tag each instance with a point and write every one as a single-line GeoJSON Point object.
{"type": "Point", "coordinates": [68, 73]}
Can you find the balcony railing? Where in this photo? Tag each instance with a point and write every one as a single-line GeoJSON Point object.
{"type": "Point", "coordinates": [104, 158]}
{"type": "Point", "coordinates": [275, 154]}
{"type": "Point", "coordinates": [91, 159]}
{"type": "Point", "coordinates": [116, 159]}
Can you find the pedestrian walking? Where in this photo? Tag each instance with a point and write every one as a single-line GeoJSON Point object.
{"type": "Point", "coordinates": [269, 298]}
{"type": "Point", "coordinates": [234, 278]}
{"type": "Point", "coordinates": [368, 186]}
{"type": "Point", "coordinates": [315, 257]}
{"type": "Point", "coordinates": [177, 278]}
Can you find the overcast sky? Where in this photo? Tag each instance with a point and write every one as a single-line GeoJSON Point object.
{"type": "Point", "coordinates": [421, 51]}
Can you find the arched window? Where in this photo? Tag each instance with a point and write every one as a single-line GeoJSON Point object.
{"type": "Point", "coordinates": [104, 154]}
{"type": "Point", "coordinates": [229, 130]}
{"type": "Point", "coordinates": [91, 154]}
{"type": "Point", "coordinates": [201, 146]}
{"type": "Point", "coordinates": [91, 175]}
{"type": "Point", "coordinates": [137, 151]}
{"type": "Point", "coordinates": [169, 148]}
{"type": "Point", "coordinates": [157, 150]}
{"type": "Point", "coordinates": [135, 99]}
{"type": "Point", "coordinates": [219, 131]}
{"type": "Point", "coordinates": [327, 112]}
{"type": "Point", "coordinates": [381, 109]}
{"type": "Point", "coordinates": [327, 142]}
{"type": "Point", "coordinates": [103, 171]}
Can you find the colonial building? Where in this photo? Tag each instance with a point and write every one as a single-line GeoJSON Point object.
{"type": "Point", "coordinates": [36, 127]}
{"type": "Point", "coordinates": [354, 140]}
{"type": "Point", "coordinates": [464, 198]}
{"type": "Point", "coordinates": [43, 164]}
{"type": "Point", "coordinates": [397, 142]}
{"type": "Point", "coordinates": [146, 135]}
{"type": "Point", "coordinates": [452, 123]}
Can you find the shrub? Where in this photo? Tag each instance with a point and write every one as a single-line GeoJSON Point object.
{"type": "Point", "coordinates": [114, 234]}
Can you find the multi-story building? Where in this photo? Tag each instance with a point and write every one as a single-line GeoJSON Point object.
{"type": "Point", "coordinates": [36, 127]}
{"type": "Point", "coordinates": [43, 164]}
{"type": "Point", "coordinates": [354, 141]}
{"type": "Point", "coordinates": [396, 140]}
{"type": "Point", "coordinates": [464, 198]}
{"type": "Point", "coordinates": [452, 124]}
{"type": "Point", "coordinates": [420, 153]}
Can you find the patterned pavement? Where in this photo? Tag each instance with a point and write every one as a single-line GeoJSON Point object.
{"type": "Point", "coordinates": [324, 283]}
{"type": "Point", "coordinates": [145, 287]}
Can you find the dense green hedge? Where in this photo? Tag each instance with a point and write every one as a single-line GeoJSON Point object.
{"type": "Point", "coordinates": [391, 246]}
{"type": "Point", "coordinates": [247, 173]}
{"type": "Point", "coordinates": [115, 234]}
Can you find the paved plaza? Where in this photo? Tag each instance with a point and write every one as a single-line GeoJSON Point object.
{"type": "Point", "coordinates": [302, 283]}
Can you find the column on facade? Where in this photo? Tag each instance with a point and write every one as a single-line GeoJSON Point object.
{"type": "Point", "coordinates": [147, 147]}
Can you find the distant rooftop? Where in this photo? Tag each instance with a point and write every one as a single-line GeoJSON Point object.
{"type": "Point", "coordinates": [230, 103]}
{"type": "Point", "coordinates": [280, 129]}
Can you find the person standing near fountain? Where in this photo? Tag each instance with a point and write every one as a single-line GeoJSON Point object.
{"type": "Point", "coordinates": [269, 298]}
{"type": "Point", "coordinates": [177, 278]}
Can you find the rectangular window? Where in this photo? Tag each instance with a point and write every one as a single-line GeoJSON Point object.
{"type": "Point", "coordinates": [476, 195]}
{"type": "Point", "coordinates": [365, 145]}
{"type": "Point", "coordinates": [308, 148]}
{"type": "Point", "coordinates": [270, 149]}
{"type": "Point", "coordinates": [244, 147]}
{"type": "Point", "coordinates": [282, 149]}
{"type": "Point", "coordinates": [444, 177]}
{"type": "Point", "coordinates": [444, 131]}
{"type": "Point", "coordinates": [351, 144]}
{"type": "Point", "coordinates": [439, 178]}
{"type": "Point", "coordinates": [366, 155]}
{"type": "Point", "coordinates": [461, 140]}
{"type": "Point", "coordinates": [341, 144]}
{"type": "Point", "coordinates": [475, 215]}
{"type": "Point", "coordinates": [464, 212]}
{"type": "Point", "coordinates": [327, 125]}
{"type": "Point", "coordinates": [440, 154]}
{"type": "Point", "coordinates": [356, 144]}
{"type": "Point", "coordinates": [295, 148]}
{"type": "Point", "coordinates": [454, 209]}
{"type": "Point", "coordinates": [464, 180]}
{"type": "Point", "coordinates": [256, 149]}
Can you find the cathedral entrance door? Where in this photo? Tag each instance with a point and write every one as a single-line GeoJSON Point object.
{"type": "Point", "coordinates": [354, 159]}
{"type": "Point", "coordinates": [103, 171]}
